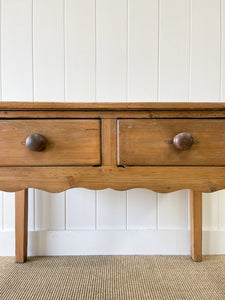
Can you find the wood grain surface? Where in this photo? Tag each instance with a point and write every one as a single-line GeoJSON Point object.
{"type": "Point", "coordinates": [150, 142]}
{"type": "Point", "coordinates": [69, 142]}
{"type": "Point", "coordinates": [196, 225]}
{"type": "Point", "coordinates": [176, 106]}
{"type": "Point", "coordinates": [86, 141]}
{"type": "Point", "coordinates": [21, 223]}
{"type": "Point", "coordinates": [159, 179]}
{"type": "Point", "coordinates": [109, 142]}
{"type": "Point", "coordinates": [109, 114]}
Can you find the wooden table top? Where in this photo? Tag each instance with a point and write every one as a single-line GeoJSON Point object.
{"type": "Point", "coordinates": [189, 106]}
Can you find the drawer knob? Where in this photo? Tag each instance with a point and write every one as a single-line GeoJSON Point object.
{"type": "Point", "coordinates": [183, 141]}
{"type": "Point", "coordinates": [36, 142]}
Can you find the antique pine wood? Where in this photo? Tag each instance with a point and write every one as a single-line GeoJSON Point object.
{"type": "Point", "coordinates": [109, 142]}
{"type": "Point", "coordinates": [21, 222]}
{"type": "Point", "coordinates": [150, 142]}
{"type": "Point", "coordinates": [196, 224]}
{"type": "Point", "coordinates": [176, 106]}
{"type": "Point", "coordinates": [158, 178]}
{"type": "Point", "coordinates": [112, 145]}
{"type": "Point", "coordinates": [111, 114]}
{"type": "Point", "coordinates": [69, 142]}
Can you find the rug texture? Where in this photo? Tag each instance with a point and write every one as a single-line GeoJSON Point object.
{"type": "Point", "coordinates": [113, 277]}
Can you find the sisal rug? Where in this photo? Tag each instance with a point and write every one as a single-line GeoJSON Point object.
{"type": "Point", "coordinates": [113, 277]}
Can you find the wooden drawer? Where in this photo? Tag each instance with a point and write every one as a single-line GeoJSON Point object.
{"type": "Point", "coordinates": [68, 142]}
{"type": "Point", "coordinates": [142, 142]}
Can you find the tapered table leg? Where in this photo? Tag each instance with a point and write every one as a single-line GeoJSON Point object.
{"type": "Point", "coordinates": [21, 220]}
{"type": "Point", "coordinates": [196, 225]}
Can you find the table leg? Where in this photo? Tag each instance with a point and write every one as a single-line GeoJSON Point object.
{"type": "Point", "coordinates": [196, 225]}
{"type": "Point", "coordinates": [21, 220]}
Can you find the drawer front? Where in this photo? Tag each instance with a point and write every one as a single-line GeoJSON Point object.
{"type": "Point", "coordinates": [151, 142]}
{"type": "Point", "coordinates": [68, 142]}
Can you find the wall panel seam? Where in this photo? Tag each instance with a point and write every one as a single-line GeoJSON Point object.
{"type": "Point", "coordinates": [1, 48]}
{"type": "Point", "coordinates": [190, 44]}
{"type": "Point", "coordinates": [96, 100]}
{"type": "Point", "coordinates": [2, 216]}
{"type": "Point", "coordinates": [158, 58]}
{"type": "Point", "coordinates": [221, 50]}
{"type": "Point", "coordinates": [127, 87]}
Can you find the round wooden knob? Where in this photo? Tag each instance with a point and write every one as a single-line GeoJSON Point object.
{"type": "Point", "coordinates": [183, 141]}
{"type": "Point", "coordinates": [36, 142]}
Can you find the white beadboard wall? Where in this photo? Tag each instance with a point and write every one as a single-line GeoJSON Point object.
{"type": "Point", "coordinates": [112, 50]}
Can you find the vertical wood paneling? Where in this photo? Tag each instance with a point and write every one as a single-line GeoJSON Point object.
{"type": "Point", "coordinates": [174, 36]}
{"type": "Point", "coordinates": [142, 50]}
{"type": "Point", "coordinates": [205, 75]}
{"type": "Point", "coordinates": [210, 210]}
{"type": "Point", "coordinates": [80, 50]}
{"type": "Point", "coordinates": [80, 86]}
{"type": "Point", "coordinates": [141, 209]}
{"type": "Point", "coordinates": [111, 213]}
{"type": "Point", "coordinates": [111, 85]}
{"type": "Point", "coordinates": [31, 194]}
{"type": "Point", "coordinates": [16, 48]}
{"type": "Point", "coordinates": [173, 208]}
{"type": "Point", "coordinates": [221, 201]}
{"type": "Point", "coordinates": [111, 43]}
{"type": "Point", "coordinates": [142, 86]}
{"type": "Point", "coordinates": [1, 212]}
{"type": "Point", "coordinates": [174, 50]}
{"type": "Point", "coordinates": [222, 43]}
{"type": "Point", "coordinates": [48, 46]}
{"type": "Point", "coordinates": [205, 51]}
{"type": "Point", "coordinates": [16, 61]}
{"type": "Point", "coordinates": [221, 210]}
{"type": "Point", "coordinates": [9, 211]}
{"type": "Point", "coordinates": [49, 211]}
{"type": "Point", "coordinates": [80, 209]}
{"type": "Point", "coordinates": [1, 194]}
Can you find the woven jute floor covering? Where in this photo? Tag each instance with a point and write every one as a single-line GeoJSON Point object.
{"type": "Point", "coordinates": [113, 277]}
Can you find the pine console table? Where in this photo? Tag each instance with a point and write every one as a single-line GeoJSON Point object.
{"type": "Point", "coordinates": [160, 146]}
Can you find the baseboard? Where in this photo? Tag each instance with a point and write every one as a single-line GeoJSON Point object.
{"type": "Point", "coordinates": [145, 242]}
